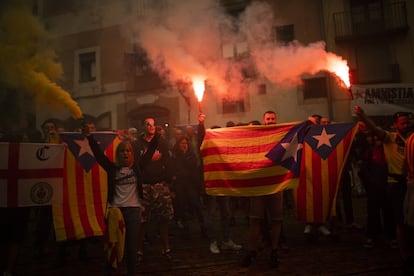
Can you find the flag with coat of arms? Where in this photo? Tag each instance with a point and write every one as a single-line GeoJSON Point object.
{"type": "Point", "coordinates": [30, 174]}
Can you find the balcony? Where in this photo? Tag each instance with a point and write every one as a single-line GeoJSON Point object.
{"type": "Point", "coordinates": [373, 22]}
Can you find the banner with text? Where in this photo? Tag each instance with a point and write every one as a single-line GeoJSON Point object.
{"type": "Point", "coordinates": [384, 99]}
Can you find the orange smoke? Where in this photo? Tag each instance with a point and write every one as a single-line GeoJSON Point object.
{"type": "Point", "coordinates": [27, 63]}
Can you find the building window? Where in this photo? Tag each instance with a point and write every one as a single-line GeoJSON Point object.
{"type": "Point", "coordinates": [285, 33]}
{"type": "Point", "coordinates": [235, 50]}
{"type": "Point", "coordinates": [233, 106]}
{"type": "Point", "coordinates": [374, 64]}
{"type": "Point", "coordinates": [315, 88]}
{"type": "Point", "coordinates": [261, 89]}
{"type": "Point", "coordinates": [87, 67]}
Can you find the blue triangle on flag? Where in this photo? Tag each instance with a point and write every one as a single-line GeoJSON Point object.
{"type": "Point", "coordinates": [324, 138]}
{"type": "Point", "coordinates": [288, 151]}
{"type": "Point", "coordinates": [79, 146]}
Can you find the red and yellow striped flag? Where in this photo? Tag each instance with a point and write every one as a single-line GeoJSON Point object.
{"type": "Point", "coordinates": [235, 162]}
{"type": "Point", "coordinates": [324, 154]}
{"type": "Point", "coordinates": [81, 211]}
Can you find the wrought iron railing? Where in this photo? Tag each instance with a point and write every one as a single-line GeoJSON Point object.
{"type": "Point", "coordinates": [381, 20]}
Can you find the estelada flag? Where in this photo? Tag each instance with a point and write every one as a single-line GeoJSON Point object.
{"type": "Point", "coordinates": [325, 152]}
{"type": "Point", "coordinates": [30, 174]}
{"type": "Point", "coordinates": [235, 162]}
{"type": "Point", "coordinates": [81, 211]}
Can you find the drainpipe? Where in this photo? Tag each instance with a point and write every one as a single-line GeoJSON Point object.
{"type": "Point", "coordinates": [328, 84]}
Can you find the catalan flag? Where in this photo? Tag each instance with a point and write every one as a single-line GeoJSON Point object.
{"type": "Point", "coordinates": [325, 150]}
{"type": "Point", "coordinates": [81, 211]}
{"type": "Point", "coordinates": [235, 162]}
{"type": "Point", "coordinates": [114, 238]}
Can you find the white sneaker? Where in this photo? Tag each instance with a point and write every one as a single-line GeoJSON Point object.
{"type": "Point", "coordinates": [230, 245]}
{"type": "Point", "coordinates": [308, 229]}
{"type": "Point", "coordinates": [214, 248]}
{"type": "Point", "coordinates": [325, 231]}
{"type": "Point", "coordinates": [180, 224]}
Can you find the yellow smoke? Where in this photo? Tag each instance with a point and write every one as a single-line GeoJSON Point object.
{"type": "Point", "coordinates": [26, 61]}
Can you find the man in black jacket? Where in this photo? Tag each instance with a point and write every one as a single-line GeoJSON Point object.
{"type": "Point", "coordinates": [156, 177]}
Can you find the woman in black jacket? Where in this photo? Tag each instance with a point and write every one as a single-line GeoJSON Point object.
{"type": "Point", "coordinates": [125, 190]}
{"type": "Point", "coordinates": [185, 182]}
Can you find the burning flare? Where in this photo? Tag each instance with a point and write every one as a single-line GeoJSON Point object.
{"type": "Point", "coordinates": [198, 86]}
{"type": "Point", "coordinates": [340, 68]}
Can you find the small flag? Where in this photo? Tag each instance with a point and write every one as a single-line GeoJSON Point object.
{"type": "Point", "coordinates": [115, 237]}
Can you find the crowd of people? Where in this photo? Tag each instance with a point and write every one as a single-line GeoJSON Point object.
{"type": "Point", "coordinates": [155, 179]}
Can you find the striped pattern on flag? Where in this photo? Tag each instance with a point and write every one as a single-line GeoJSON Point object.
{"type": "Point", "coordinates": [319, 180]}
{"type": "Point", "coordinates": [235, 163]}
{"type": "Point", "coordinates": [114, 238]}
{"type": "Point", "coordinates": [81, 213]}
{"type": "Point", "coordinates": [409, 157]}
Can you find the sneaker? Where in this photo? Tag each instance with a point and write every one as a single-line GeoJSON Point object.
{"type": "Point", "coordinates": [273, 262]}
{"type": "Point", "coordinates": [394, 244]}
{"type": "Point", "coordinates": [180, 224]}
{"type": "Point", "coordinates": [369, 243]}
{"type": "Point", "coordinates": [308, 229]}
{"type": "Point", "coordinates": [214, 248]}
{"type": "Point", "coordinates": [167, 254]}
{"type": "Point", "coordinates": [248, 259]}
{"type": "Point", "coordinates": [140, 257]}
{"type": "Point", "coordinates": [230, 245]}
{"type": "Point", "coordinates": [323, 230]}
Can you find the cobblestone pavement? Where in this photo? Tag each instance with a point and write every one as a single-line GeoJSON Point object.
{"type": "Point", "coordinates": [323, 256]}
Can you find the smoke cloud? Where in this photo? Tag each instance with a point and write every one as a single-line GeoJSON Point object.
{"type": "Point", "coordinates": [186, 38]}
{"type": "Point", "coordinates": [27, 65]}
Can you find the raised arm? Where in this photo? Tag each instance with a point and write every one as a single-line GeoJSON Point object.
{"type": "Point", "coordinates": [201, 130]}
{"type": "Point", "coordinates": [100, 157]}
{"type": "Point", "coordinates": [152, 146]}
{"type": "Point", "coordinates": [368, 122]}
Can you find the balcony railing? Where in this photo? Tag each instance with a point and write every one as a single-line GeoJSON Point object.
{"type": "Point", "coordinates": [367, 23]}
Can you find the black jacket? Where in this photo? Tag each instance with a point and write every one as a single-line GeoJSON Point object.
{"type": "Point", "coordinates": [156, 171]}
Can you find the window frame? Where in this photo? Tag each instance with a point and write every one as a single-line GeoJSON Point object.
{"type": "Point", "coordinates": [77, 70]}
{"type": "Point", "coordinates": [309, 92]}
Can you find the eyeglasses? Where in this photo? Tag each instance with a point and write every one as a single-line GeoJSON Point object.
{"type": "Point", "coordinates": [149, 124]}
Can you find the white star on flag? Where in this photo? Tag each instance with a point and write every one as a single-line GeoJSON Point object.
{"type": "Point", "coordinates": [324, 138]}
{"type": "Point", "coordinates": [291, 148]}
{"type": "Point", "coordinates": [84, 147]}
